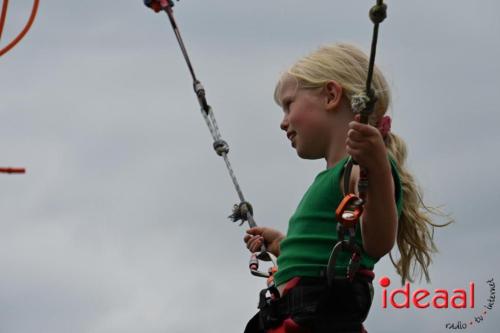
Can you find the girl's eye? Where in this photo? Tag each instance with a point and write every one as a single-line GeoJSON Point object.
{"type": "Point", "coordinates": [286, 105]}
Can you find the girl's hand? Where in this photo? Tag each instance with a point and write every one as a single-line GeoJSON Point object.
{"type": "Point", "coordinates": [366, 145]}
{"type": "Point", "coordinates": [261, 235]}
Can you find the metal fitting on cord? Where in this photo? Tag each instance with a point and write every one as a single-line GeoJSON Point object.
{"type": "Point", "coordinates": [246, 207]}
{"type": "Point", "coordinates": [240, 212]}
{"type": "Point", "coordinates": [198, 88]}
{"type": "Point", "coordinates": [378, 13]}
{"type": "Point", "coordinates": [221, 147]}
{"type": "Point", "coordinates": [200, 93]}
{"type": "Point", "coordinates": [159, 5]}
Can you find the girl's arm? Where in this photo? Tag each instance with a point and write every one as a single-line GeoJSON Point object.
{"type": "Point", "coordinates": [379, 221]}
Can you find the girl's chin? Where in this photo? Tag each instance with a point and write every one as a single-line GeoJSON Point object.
{"type": "Point", "coordinates": [308, 155]}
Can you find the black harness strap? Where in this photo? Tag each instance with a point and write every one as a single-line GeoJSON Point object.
{"type": "Point", "coordinates": [317, 306]}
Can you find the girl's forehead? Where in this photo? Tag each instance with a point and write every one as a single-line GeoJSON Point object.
{"type": "Point", "coordinates": [288, 87]}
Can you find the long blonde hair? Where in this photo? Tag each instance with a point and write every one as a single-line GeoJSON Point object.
{"type": "Point", "coordinates": [348, 65]}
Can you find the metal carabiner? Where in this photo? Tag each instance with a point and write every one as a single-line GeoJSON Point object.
{"type": "Point", "coordinates": [352, 266]}
{"type": "Point", "coordinates": [349, 211]}
{"type": "Point", "coordinates": [264, 255]}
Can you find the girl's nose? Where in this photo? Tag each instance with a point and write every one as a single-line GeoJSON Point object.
{"type": "Point", "coordinates": [284, 124]}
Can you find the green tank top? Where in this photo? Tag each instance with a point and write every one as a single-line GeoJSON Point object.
{"type": "Point", "coordinates": [312, 229]}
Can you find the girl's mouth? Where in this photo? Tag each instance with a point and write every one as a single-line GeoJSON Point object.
{"type": "Point", "coordinates": [292, 139]}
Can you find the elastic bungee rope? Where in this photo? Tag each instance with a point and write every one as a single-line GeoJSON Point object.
{"type": "Point", "coordinates": [243, 211]}
{"type": "Point", "coordinates": [350, 209]}
{"type": "Point", "coordinates": [25, 30]}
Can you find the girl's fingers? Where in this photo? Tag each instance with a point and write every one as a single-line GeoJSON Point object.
{"type": "Point", "coordinates": [355, 153]}
{"type": "Point", "coordinates": [354, 135]}
{"type": "Point", "coordinates": [255, 243]}
{"type": "Point", "coordinates": [356, 145]}
{"type": "Point", "coordinates": [255, 231]}
{"type": "Point", "coordinates": [363, 129]}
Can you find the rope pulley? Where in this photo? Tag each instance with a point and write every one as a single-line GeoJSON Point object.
{"type": "Point", "coordinates": [243, 211]}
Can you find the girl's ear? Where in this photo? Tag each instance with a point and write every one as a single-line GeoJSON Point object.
{"type": "Point", "coordinates": [333, 91]}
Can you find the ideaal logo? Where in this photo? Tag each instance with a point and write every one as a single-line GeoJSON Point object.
{"type": "Point", "coordinates": [439, 299]}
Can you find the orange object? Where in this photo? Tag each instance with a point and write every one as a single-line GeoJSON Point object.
{"type": "Point", "coordinates": [349, 211]}
{"type": "Point", "coordinates": [12, 170]}
{"type": "Point", "coordinates": [159, 5]}
{"type": "Point", "coordinates": [3, 16]}
{"type": "Point", "coordinates": [272, 271]}
{"type": "Point", "coordinates": [25, 30]}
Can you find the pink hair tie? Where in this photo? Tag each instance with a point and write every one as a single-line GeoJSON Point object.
{"type": "Point", "coordinates": [384, 126]}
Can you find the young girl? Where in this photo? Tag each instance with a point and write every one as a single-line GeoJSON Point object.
{"type": "Point", "coordinates": [315, 95]}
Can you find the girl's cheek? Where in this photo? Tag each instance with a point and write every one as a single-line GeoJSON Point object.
{"type": "Point", "coordinates": [297, 118]}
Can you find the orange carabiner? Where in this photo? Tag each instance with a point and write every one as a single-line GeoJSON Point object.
{"type": "Point", "coordinates": [349, 211]}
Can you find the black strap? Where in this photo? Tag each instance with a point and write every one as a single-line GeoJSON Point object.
{"type": "Point", "coordinates": [313, 304]}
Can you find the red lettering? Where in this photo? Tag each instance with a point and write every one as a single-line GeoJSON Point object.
{"type": "Point", "coordinates": [384, 283]}
{"type": "Point", "coordinates": [444, 297]}
{"type": "Point", "coordinates": [462, 296]}
{"type": "Point", "coordinates": [406, 293]}
{"type": "Point", "coordinates": [384, 298]}
{"type": "Point", "coordinates": [440, 300]}
{"type": "Point", "coordinates": [417, 298]}
{"type": "Point", "coordinates": [471, 286]}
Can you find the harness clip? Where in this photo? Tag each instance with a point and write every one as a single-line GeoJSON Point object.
{"type": "Point", "coordinates": [349, 211]}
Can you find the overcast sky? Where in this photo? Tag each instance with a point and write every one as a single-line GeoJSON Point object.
{"type": "Point", "coordinates": [120, 223]}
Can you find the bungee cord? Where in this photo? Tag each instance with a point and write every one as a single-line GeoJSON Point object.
{"type": "Point", "coordinates": [243, 211]}
{"type": "Point", "coordinates": [27, 27]}
{"type": "Point", "coordinates": [349, 211]}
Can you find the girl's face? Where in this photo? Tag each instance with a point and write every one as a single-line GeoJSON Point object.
{"type": "Point", "coordinates": [305, 119]}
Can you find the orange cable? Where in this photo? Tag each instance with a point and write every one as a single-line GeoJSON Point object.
{"type": "Point", "coordinates": [12, 170]}
{"type": "Point", "coordinates": [3, 16]}
{"type": "Point", "coordinates": [24, 31]}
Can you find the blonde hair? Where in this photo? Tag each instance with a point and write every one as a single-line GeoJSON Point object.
{"type": "Point", "coordinates": [348, 65]}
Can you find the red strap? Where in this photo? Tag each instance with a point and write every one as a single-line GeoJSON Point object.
{"type": "Point", "coordinates": [288, 326]}
{"type": "Point", "coordinates": [366, 272]}
{"type": "Point", "coordinates": [290, 285]}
